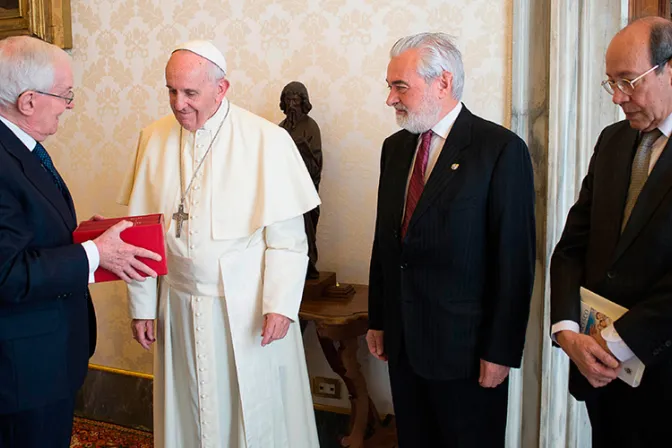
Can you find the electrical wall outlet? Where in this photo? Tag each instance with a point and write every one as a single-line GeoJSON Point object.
{"type": "Point", "coordinates": [326, 387]}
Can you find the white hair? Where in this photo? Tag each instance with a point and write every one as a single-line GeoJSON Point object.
{"type": "Point", "coordinates": [438, 53]}
{"type": "Point", "coordinates": [26, 63]}
{"type": "Point", "coordinates": [215, 73]}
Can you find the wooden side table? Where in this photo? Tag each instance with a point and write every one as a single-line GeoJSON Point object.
{"type": "Point", "coordinates": [342, 321]}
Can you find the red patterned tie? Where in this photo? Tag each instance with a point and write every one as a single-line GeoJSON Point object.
{"type": "Point", "coordinates": [417, 183]}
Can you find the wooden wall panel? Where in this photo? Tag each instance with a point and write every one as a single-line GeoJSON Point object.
{"type": "Point", "coordinates": [641, 8]}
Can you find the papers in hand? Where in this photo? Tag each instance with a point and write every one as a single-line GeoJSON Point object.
{"type": "Point", "coordinates": [597, 313]}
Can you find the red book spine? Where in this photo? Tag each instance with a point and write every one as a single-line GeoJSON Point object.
{"type": "Point", "coordinates": [147, 232]}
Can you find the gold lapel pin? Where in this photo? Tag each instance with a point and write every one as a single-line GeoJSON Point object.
{"type": "Point", "coordinates": [454, 166]}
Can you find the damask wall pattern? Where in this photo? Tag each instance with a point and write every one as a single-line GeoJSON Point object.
{"type": "Point", "coordinates": [337, 48]}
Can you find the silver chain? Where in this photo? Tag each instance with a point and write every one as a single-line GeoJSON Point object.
{"type": "Point", "coordinates": [186, 192]}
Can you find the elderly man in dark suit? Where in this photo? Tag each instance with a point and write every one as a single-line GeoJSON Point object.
{"type": "Point", "coordinates": [617, 242]}
{"type": "Point", "coordinates": [452, 265]}
{"type": "Point", "coordinates": [47, 320]}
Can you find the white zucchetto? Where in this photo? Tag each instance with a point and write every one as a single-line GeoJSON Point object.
{"type": "Point", "coordinates": [205, 49]}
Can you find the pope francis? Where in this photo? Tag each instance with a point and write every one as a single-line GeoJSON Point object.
{"type": "Point", "coordinates": [229, 367]}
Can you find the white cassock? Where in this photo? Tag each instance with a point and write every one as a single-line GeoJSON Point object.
{"type": "Point", "coordinates": [241, 255]}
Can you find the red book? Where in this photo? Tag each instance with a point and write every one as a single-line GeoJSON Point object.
{"type": "Point", "coordinates": [147, 232]}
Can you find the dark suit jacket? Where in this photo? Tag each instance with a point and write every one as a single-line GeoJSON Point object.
{"type": "Point", "coordinates": [47, 323]}
{"type": "Point", "coordinates": [457, 288]}
{"type": "Point", "coordinates": [633, 269]}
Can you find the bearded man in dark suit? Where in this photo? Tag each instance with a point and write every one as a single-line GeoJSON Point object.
{"type": "Point", "coordinates": [453, 257]}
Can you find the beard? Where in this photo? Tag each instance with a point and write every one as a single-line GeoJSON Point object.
{"type": "Point", "coordinates": [292, 117]}
{"type": "Point", "coordinates": [421, 120]}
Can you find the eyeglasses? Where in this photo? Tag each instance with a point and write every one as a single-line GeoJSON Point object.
{"type": "Point", "coordinates": [624, 85]}
{"type": "Point", "coordinates": [68, 99]}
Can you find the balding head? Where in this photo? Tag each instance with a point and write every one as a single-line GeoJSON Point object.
{"type": "Point", "coordinates": [649, 34]}
{"type": "Point", "coordinates": [637, 48]}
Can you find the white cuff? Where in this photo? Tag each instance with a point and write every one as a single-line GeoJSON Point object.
{"type": "Point", "coordinates": [569, 325]}
{"type": "Point", "coordinates": [93, 256]}
{"type": "Point", "coordinates": [143, 300]}
{"type": "Point", "coordinates": [617, 346]}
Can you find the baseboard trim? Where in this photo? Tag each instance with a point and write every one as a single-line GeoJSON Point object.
{"type": "Point", "coordinates": [147, 376]}
{"type": "Point", "coordinates": [116, 396]}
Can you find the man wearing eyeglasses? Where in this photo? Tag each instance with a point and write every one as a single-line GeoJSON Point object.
{"type": "Point", "coordinates": [47, 319]}
{"type": "Point", "coordinates": [617, 242]}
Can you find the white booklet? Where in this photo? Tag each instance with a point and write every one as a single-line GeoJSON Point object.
{"type": "Point", "coordinates": [598, 313]}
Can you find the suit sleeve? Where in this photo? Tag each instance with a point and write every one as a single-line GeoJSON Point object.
{"type": "Point", "coordinates": [376, 293]}
{"type": "Point", "coordinates": [511, 229]}
{"type": "Point", "coordinates": [646, 327]}
{"type": "Point", "coordinates": [28, 273]}
{"type": "Point", "coordinates": [568, 259]}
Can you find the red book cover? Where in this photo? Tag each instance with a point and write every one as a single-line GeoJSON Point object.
{"type": "Point", "coordinates": [147, 232]}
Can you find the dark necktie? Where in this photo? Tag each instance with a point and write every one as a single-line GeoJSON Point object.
{"type": "Point", "coordinates": [48, 165]}
{"type": "Point", "coordinates": [417, 182]}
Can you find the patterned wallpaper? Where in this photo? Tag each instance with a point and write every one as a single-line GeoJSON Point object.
{"type": "Point", "coordinates": [338, 48]}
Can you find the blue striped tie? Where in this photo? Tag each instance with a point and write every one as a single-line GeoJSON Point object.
{"type": "Point", "coordinates": [48, 165]}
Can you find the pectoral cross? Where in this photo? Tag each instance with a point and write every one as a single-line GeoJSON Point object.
{"type": "Point", "coordinates": [180, 216]}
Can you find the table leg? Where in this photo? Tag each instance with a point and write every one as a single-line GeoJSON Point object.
{"type": "Point", "coordinates": [364, 418]}
{"type": "Point", "coordinates": [343, 361]}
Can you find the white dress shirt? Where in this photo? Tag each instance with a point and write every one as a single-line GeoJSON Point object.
{"type": "Point", "coordinates": [90, 247]}
{"type": "Point", "coordinates": [441, 131]}
{"type": "Point", "coordinates": [617, 346]}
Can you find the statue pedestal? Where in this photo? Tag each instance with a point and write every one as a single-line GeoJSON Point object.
{"type": "Point", "coordinates": [326, 287]}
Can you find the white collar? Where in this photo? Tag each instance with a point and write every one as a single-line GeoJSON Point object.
{"type": "Point", "coordinates": [20, 134]}
{"type": "Point", "coordinates": [212, 124]}
{"type": "Point", "coordinates": [443, 127]}
{"type": "Point", "coordinates": [666, 126]}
